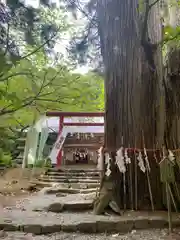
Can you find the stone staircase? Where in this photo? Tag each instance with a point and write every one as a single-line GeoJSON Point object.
{"type": "Point", "coordinates": [72, 178]}
{"type": "Point", "coordinates": [67, 206]}
{"type": "Point", "coordinates": [75, 188]}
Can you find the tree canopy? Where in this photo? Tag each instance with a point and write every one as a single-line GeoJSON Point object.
{"type": "Point", "coordinates": [35, 75]}
{"type": "Point", "coordinates": [27, 88]}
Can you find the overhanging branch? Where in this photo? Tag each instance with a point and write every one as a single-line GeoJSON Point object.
{"type": "Point", "coordinates": [15, 75]}
{"type": "Point", "coordinates": [41, 46]}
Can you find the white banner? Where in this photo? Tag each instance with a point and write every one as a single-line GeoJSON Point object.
{"type": "Point", "coordinates": [42, 142]}
{"type": "Point", "coordinates": [30, 146]}
{"type": "Point", "coordinates": [58, 146]}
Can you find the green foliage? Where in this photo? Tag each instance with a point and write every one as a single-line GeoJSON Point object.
{"type": "Point", "coordinates": [7, 139]}
{"type": "Point", "coordinates": [141, 6]}
{"type": "Point", "coordinates": [29, 89]}
{"type": "Point", "coordinates": [5, 158]}
{"type": "Point", "coordinates": [42, 164]}
{"type": "Point", "coordinates": [171, 33]}
{"type": "Point", "coordinates": [32, 25]}
{"type": "Point", "coordinates": [33, 79]}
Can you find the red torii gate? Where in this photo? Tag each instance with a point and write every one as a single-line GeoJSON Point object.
{"type": "Point", "coordinates": [62, 115]}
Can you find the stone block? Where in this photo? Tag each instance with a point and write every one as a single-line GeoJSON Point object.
{"type": "Point", "coordinates": [67, 191]}
{"type": "Point", "coordinates": [106, 226]}
{"type": "Point", "coordinates": [78, 206]}
{"type": "Point", "coordinates": [141, 223]}
{"type": "Point", "coordinates": [87, 227]}
{"type": "Point", "coordinates": [55, 207]}
{"type": "Point", "coordinates": [83, 186]}
{"type": "Point", "coordinates": [32, 228]}
{"type": "Point", "coordinates": [158, 223]}
{"type": "Point", "coordinates": [69, 227]}
{"type": "Point", "coordinates": [47, 229]}
{"type": "Point", "coordinates": [124, 226]}
{"type": "Point", "coordinates": [175, 223]}
{"type": "Point", "coordinates": [76, 186]}
{"type": "Point", "coordinates": [9, 227]}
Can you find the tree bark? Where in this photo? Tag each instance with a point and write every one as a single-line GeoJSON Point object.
{"type": "Point", "coordinates": [134, 95]}
{"type": "Point", "coordinates": [172, 83]}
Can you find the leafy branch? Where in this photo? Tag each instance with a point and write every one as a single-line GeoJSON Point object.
{"type": "Point", "coordinates": [41, 46]}
{"type": "Point", "coordinates": [41, 95]}
{"type": "Point", "coordinates": [16, 75]}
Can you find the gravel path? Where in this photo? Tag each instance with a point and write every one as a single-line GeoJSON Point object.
{"type": "Point", "coordinates": [134, 235]}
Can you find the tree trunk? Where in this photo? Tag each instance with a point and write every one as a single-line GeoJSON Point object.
{"type": "Point", "coordinates": [133, 93]}
{"type": "Point", "coordinates": [172, 82]}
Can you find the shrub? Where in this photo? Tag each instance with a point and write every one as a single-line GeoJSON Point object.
{"type": "Point", "coordinates": [5, 158]}
{"type": "Point", "coordinates": [42, 164]}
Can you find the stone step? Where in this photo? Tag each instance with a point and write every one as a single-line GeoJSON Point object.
{"type": "Point", "coordinates": [81, 171]}
{"type": "Point", "coordinates": [73, 185]}
{"type": "Point", "coordinates": [80, 176]}
{"type": "Point", "coordinates": [63, 202]}
{"type": "Point", "coordinates": [77, 176]}
{"type": "Point", "coordinates": [41, 184]}
{"type": "Point", "coordinates": [79, 206]}
{"type": "Point", "coordinates": [46, 223]}
{"type": "Point", "coordinates": [68, 180]}
{"type": "Point", "coordinates": [80, 186]}
{"type": "Point", "coordinates": [58, 191]}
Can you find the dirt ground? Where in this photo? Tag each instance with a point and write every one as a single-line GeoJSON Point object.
{"type": "Point", "coordinates": [16, 184]}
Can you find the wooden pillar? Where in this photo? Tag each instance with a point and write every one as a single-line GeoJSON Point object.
{"type": "Point", "coordinates": [59, 157]}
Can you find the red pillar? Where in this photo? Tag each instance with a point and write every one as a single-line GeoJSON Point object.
{"type": "Point", "coordinates": [59, 157]}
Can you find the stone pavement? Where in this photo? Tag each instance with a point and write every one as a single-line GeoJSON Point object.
{"type": "Point", "coordinates": [134, 235]}
{"type": "Point", "coordinates": [63, 202]}
{"type": "Point", "coordinates": [54, 209]}
{"type": "Point", "coordinates": [47, 222]}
